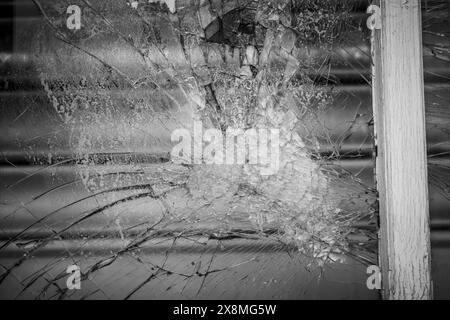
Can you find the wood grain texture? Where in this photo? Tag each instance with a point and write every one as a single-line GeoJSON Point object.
{"type": "Point", "coordinates": [399, 110]}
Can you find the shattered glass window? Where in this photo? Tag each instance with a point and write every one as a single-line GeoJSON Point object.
{"type": "Point", "coordinates": [187, 149]}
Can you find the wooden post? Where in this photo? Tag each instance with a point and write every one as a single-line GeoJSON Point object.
{"type": "Point", "coordinates": [401, 164]}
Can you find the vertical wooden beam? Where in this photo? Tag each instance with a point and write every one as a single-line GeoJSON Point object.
{"type": "Point", "coordinates": [399, 113]}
